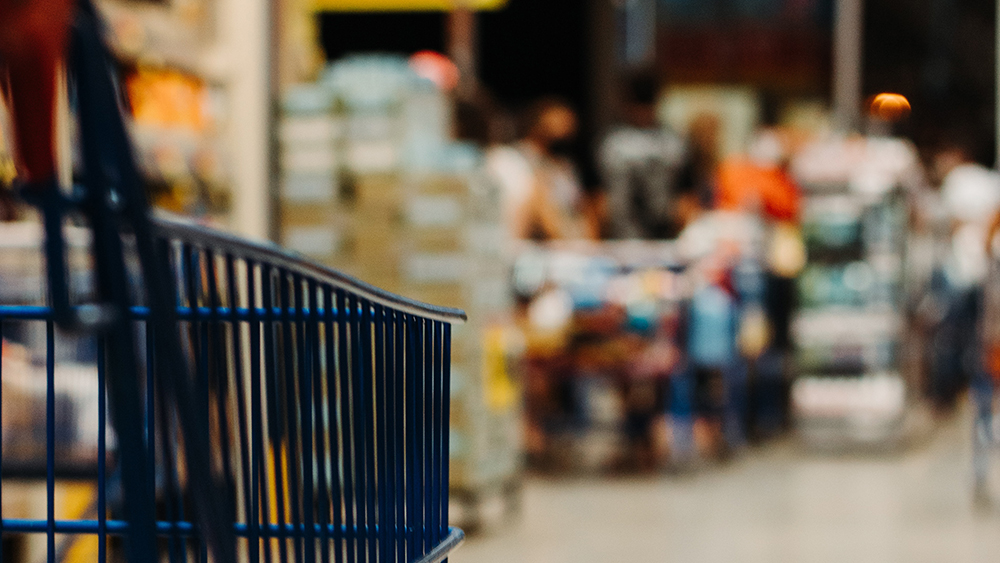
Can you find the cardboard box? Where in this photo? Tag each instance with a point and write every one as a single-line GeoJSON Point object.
{"type": "Point", "coordinates": [297, 214]}
{"type": "Point", "coordinates": [430, 240]}
{"type": "Point", "coordinates": [318, 129]}
{"type": "Point", "coordinates": [442, 184]}
{"type": "Point", "coordinates": [436, 268]}
{"type": "Point", "coordinates": [318, 242]}
{"type": "Point", "coordinates": [310, 188]}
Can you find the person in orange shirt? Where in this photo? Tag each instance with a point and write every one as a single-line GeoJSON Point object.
{"type": "Point", "coordinates": [758, 182]}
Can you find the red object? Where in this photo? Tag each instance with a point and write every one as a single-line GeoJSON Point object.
{"type": "Point", "coordinates": [33, 39]}
{"type": "Point", "coordinates": [437, 68]}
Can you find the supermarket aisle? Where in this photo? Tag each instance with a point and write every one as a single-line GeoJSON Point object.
{"type": "Point", "coordinates": [775, 505]}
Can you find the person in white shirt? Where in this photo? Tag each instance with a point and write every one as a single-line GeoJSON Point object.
{"type": "Point", "coordinates": [542, 194]}
{"type": "Point", "coordinates": [970, 199]}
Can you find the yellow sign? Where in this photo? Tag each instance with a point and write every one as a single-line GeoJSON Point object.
{"type": "Point", "coordinates": [500, 390]}
{"type": "Point", "coordinates": [404, 5]}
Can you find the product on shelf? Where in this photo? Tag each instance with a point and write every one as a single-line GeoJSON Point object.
{"type": "Point", "coordinates": [176, 91]}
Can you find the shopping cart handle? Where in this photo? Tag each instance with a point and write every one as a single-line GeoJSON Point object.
{"type": "Point", "coordinates": [54, 205]}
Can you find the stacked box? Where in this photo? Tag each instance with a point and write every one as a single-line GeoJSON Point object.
{"type": "Point", "coordinates": [312, 220]}
{"type": "Point", "coordinates": [373, 187]}
{"type": "Point", "coordinates": [437, 238]}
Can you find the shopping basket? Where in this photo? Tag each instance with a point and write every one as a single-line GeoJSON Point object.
{"type": "Point", "coordinates": [260, 407]}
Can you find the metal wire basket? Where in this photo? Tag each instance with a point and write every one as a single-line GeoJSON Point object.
{"type": "Point", "coordinates": [249, 405]}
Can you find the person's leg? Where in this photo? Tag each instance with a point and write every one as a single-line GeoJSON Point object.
{"type": "Point", "coordinates": [980, 385]}
{"type": "Point", "coordinates": [949, 349]}
{"type": "Point", "coordinates": [681, 414]}
{"type": "Point", "coordinates": [780, 306]}
{"type": "Point", "coordinates": [981, 392]}
{"type": "Point", "coordinates": [735, 379]}
{"type": "Point", "coordinates": [770, 379]}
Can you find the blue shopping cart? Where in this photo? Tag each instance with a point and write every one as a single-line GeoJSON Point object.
{"type": "Point", "coordinates": [250, 405]}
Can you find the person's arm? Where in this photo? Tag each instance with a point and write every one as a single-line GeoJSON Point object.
{"type": "Point", "coordinates": [991, 233]}
{"type": "Point", "coordinates": [539, 215]}
{"type": "Point", "coordinates": [595, 215]}
{"type": "Point", "coordinates": [33, 40]}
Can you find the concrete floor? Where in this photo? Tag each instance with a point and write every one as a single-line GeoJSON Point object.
{"type": "Point", "coordinates": [774, 504]}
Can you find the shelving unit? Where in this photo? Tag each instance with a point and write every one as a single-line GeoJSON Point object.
{"type": "Point", "coordinates": [850, 327]}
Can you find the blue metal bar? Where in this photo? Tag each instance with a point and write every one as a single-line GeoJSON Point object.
{"type": "Point", "coordinates": [446, 419]}
{"type": "Point", "coordinates": [414, 416]}
{"type": "Point", "coordinates": [320, 371]}
{"type": "Point", "coordinates": [358, 354]}
{"type": "Point", "coordinates": [424, 428]}
{"type": "Point", "coordinates": [198, 332]}
{"type": "Point", "coordinates": [398, 412]}
{"type": "Point", "coordinates": [261, 492]}
{"type": "Point", "coordinates": [273, 410]}
{"type": "Point", "coordinates": [334, 427]}
{"type": "Point", "coordinates": [305, 384]}
{"type": "Point", "coordinates": [150, 402]}
{"type": "Point", "coordinates": [368, 408]}
{"type": "Point", "coordinates": [427, 365]}
{"type": "Point", "coordinates": [346, 421]}
{"type": "Point", "coordinates": [184, 313]}
{"type": "Point", "coordinates": [253, 542]}
{"type": "Point", "coordinates": [270, 254]}
{"type": "Point", "coordinates": [290, 371]}
{"type": "Point", "coordinates": [437, 493]}
{"type": "Point", "coordinates": [219, 356]}
{"type": "Point", "coordinates": [381, 440]}
{"type": "Point", "coordinates": [164, 528]}
{"type": "Point", "coordinates": [173, 503]}
{"type": "Point", "coordinates": [102, 450]}
{"type": "Point", "coordinates": [50, 438]}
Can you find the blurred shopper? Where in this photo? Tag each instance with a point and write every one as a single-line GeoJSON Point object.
{"type": "Point", "coordinates": [702, 157]}
{"type": "Point", "coordinates": [639, 162]}
{"type": "Point", "coordinates": [758, 184]}
{"type": "Point", "coordinates": [970, 199]}
{"type": "Point", "coordinates": [542, 195]}
{"type": "Point", "coordinates": [709, 394]}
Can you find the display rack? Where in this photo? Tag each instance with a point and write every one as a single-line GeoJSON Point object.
{"type": "Point", "coordinates": [850, 329]}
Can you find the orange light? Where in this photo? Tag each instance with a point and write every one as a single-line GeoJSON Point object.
{"type": "Point", "coordinates": [889, 107]}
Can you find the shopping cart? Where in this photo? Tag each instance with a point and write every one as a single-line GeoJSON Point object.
{"type": "Point", "coordinates": [250, 405]}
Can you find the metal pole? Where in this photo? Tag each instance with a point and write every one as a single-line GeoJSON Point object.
{"type": "Point", "coordinates": [605, 98]}
{"type": "Point", "coordinates": [996, 115]}
{"type": "Point", "coordinates": [247, 34]}
{"type": "Point", "coordinates": [847, 64]}
{"type": "Point", "coordinates": [462, 43]}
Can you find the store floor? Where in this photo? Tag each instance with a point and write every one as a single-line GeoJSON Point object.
{"type": "Point", "coordinates": [775, 504]}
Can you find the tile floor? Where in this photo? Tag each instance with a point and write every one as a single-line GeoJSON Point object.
{"type": "Point", "coordinates": [775, 504]}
